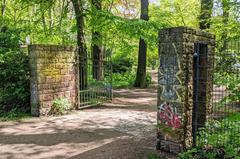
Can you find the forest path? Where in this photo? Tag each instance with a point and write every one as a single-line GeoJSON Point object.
{"type": "Point", "coordinates": [123, 129]}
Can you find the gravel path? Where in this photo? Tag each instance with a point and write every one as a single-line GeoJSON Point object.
{"type": "Point", "coordinates": [123, 129]}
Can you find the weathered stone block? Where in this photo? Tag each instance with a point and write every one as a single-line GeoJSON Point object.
{"type": "Point", "coordinates": [64, 71]}
{"type": "Point", "coordinates": [53, 75]}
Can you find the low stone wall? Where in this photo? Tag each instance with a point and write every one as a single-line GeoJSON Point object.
{"type": "Point", "coordinates": [175, 89]}
{"type": "Point", "coordinates": [54, 75]}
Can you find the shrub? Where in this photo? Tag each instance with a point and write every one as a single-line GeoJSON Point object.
{"type": "Point", "coordinates": [14, 114]}
{"type": "Point", "coordinates": [123, 80]}
{"type": "Point", "coordinates": [222, 138]}
{"type": "Point", "coordinates": [60, 106]}
{"type": "Point", "coordinates": [148, 79]}
{"type": "Point", "coordinates": [211, 152]}
{"type": "Point", "coordinates": [121, 65]}
{"type": "Point", "coordinates": [127, 79]}
{"type": "Point", "coordinates": [14, 73]}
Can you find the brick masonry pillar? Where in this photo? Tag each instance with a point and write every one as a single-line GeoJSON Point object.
{"type": "Point", "coordinates": [175, 86]}
{"type": "Point", "coordinates": [54, 75]}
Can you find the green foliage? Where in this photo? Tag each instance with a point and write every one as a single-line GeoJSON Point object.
{"type": "Point", "coordinates": [222, 138]}
{"type": "Point", "coordinates": [227, 74]}
{"type": "Point", "coordinates": [148, 79]}
{"type": "Point", "coordinates": [224, 132]}
{"type": "Point", "coordinates": [225, 152]}
{"type": "Point", "coordinates": [14, 72]}
{"type": "Point", "coordinates": [232, 83]}
{"type": "Point", "coordinates": [176, 13]}
{"type": "Point", "coordinates": [123, 80]}
{"type": "Point", "coordinates": [153, 156]}
{"type": "Point", "coordinates": [14, 114]}
{"type": "Point", "coordinates": [121, 65]}
{"type": "Point", "coordinates": [229, 28]}
{"type": "Point", "coordinates": [60, 106]}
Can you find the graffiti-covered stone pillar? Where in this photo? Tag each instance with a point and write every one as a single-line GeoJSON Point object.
{"type": "Point", "coordinates": [175, 85]}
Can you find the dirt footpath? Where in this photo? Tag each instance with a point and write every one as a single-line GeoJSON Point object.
{"type": "Point", "coordinates": [124, 129]}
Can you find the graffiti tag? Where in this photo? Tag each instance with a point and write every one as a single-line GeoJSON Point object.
{"type": "Point", "coordinates": [168, 115]}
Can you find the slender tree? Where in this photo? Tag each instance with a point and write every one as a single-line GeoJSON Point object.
{"type": "Point", "coordinates": [82, 51]}
{"type": "Point", "coordinates": [142, 52]}
{"type": "Point", "coordinates": [43, 17]}
{"type": "Point", "coordinates": [97, 50]}
{"type": "Point", "coordinates": [224, 35]}
{"type": "Point", "coordinates": [50, 22]}
{"type": "Point", "coordinates": [206, 13]}
{"type": "Point", "coordinates": [63, 6]}
{"type": "Point", "coordinates": [3, 7]}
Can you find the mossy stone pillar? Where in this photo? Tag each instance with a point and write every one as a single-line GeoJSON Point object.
{"type": "Point", "coordinates": [53, 76]}
{"type": "Point", "coordinates": [176, 85]}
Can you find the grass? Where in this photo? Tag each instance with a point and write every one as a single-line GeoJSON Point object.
{"type": "Point", "coordinates": [153, 156]}
{"type": "Point", "coordinates": [14, 115]}
{"type": "Point", "coordinates": [220, 138]}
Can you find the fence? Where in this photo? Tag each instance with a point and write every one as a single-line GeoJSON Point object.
{"type": "Point", "coordinates": [96, 85]}
{"type": "Point", "coordinates": [223, 128]}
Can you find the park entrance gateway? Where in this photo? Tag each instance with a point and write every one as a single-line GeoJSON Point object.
{"type": "Point", "coordinates": [184, 86]}
{"type": "Point", "coordinates": [57, 72]}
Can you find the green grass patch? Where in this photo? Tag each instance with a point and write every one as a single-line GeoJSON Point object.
{"type": "Point", "coordinates": [14, 115]}
{"type": "Point", "coordinates": [127, 79]}
{"type": "Point", "coordinates": [218, 139]}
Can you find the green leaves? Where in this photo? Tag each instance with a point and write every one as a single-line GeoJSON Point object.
{"type": "Point", "coordinates": [60, 106]}
{"type": "Point", "coordinates": [14, 72]}
{"type": "Point", "coordinates": [115, 26]}
{"type": "Point", "coordinates": [219, 139]}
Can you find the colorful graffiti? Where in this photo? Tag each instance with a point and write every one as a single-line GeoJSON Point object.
{"type": "Point", "coordinates": [168, 115]}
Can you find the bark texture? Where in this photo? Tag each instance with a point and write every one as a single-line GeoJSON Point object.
{"type": "Point", "coordinates": [3, 7]}
{"type": "Point", "coordinates": [97, 50]}
{"type": "Point", "coordinates": [226, 8]}
{"type": "Point", "coordinates": [206, 13]}
{"type": "Point", "coordinates": [82, 51]}
{"type": "Point", "coordinates": [142, 52]}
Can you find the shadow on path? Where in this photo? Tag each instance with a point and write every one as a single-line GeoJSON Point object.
{"type": "Point", "coordinates": [123, 129]}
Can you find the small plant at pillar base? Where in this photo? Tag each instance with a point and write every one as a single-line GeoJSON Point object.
{"type": "Point", "coordinates": [60, 106]}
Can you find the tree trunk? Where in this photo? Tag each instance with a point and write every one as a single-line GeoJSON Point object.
{"type": "Point", "coordinates": [44, 25]}
{"type": "Point", "coordinates": [142, 52]}
{"type": "Point", "coordinates": [224, 35]}
{"type": "Point", "coordinates": [206, 13]}
{"type": "Point", "coordinates": [50, 14]}
{"type": "Point", "coordinates": [3, 7]}
{"type": "Point", "coordinates": [82, 52]}
{"type": "Point", "coordinates": [97, 50]}
{"type": "Point", "coordinates": [63, 14]}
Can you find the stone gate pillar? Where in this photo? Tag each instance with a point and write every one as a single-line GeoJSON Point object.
{"type": "Point", "coordinates": [176, 85]}
{"type": "Point", "coordinates": [53, 75]}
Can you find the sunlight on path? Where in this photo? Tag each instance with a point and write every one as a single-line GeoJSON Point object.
{"type": "Point", "coordinates": [63, 137]}
{"type": "Point", "coordinates": [122, 129]}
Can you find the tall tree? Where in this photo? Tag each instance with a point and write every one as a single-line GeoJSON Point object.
{"type": "Point", "coordinates": [225, 8]}
{"type": "Point", "coordinates": [63, 6]}
{"type": "Point", "coordinates": [142, 52]}
{"type": "Point", "coordinates": [97, 50]}
{"type": "Point", "coordinates": [43, 18]}
{"type": "Point", "coordinates": [82, 51]}
{"type": "Point", "coordinates": [50, 14]}
{"type": "Point", "coordinates": [3, 7]}
{"type": "Point", "coordinates": [206, 13]}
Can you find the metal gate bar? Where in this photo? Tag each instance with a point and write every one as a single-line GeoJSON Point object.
{"type": "Point", "coordinates": [200, 82]}
{"type": "Point", "coordinates": [223, 126]}
{"type": "Point", "coordinates": [97, 91]}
